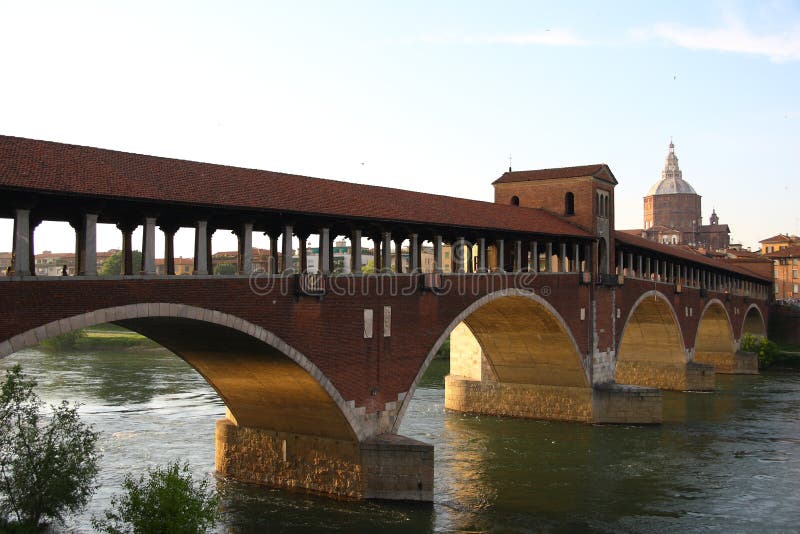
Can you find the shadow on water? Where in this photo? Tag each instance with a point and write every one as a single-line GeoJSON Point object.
{"type": "Point", "coordinates": [729, 460]}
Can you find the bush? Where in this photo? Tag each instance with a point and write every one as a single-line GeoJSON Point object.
{"type": "Point", "coordinates": [63, 341]}
{"type": "Point", "coordinates": [46, 469]}
{"type": "Point", "coordinates": [767, 351]}
{"type": "Point", "coordinates": [166, 500]}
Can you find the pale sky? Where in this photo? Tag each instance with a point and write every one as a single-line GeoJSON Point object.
{"type": "Point", "coordinates": [428, 96]}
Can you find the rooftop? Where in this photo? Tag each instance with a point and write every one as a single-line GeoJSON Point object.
{"type": "Point", "coordinates": [686, 253]}
{"type": "Point", "coordinates": [597, 170]}
{"type": "Point", "coordinates": [43, 166]}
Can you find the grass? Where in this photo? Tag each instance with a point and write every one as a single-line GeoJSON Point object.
{"type": "Point", "coordinates": [99, 337]}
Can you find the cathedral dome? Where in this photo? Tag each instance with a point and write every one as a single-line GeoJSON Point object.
{"type": "Point", "coordinates": [672, 181]}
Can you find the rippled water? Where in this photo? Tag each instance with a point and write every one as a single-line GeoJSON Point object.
{"type": "Point", "coordinates": [724, 461]}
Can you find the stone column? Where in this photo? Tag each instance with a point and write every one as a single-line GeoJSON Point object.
{"type": "Point", "coordinates": [577, 259]}
{"type": "Point", "coordinates": [324, 259]}
{"type": "Point", "coordinates": [288, 232]}
{"type": "Point", "coordinates": [274, 254]}
{"type": "Point", "coordinates": [355, 252]}
{"type": "Point", "coordinates": [481, 254]}
{"type": "Point", "coordinates": [534, 248]}
{"type": "Point", "coordinates": [210, 249]}
{"type": "Point", "coordinates": [564, 260]}
{"type": "Point", "coordinates": [200, 251]}
{"type": "Point", "coordinates": [169, 247]}
{"type": "Point", "coordinates": [517, 256]}
{"type": "Point", "coordinates": [413, 253]}
{"type": "Point", "coordinates": [386, 251]}
{"type": "Point", "coordinates": [501, 255]}
{"type": "Point", "coordinates": [149, 246]}
{"type": "Point", "coordinates": [246, 248]}
{"type": "Point", "coordinates": [640, 268]}
{"type": "Point", "coordinates": [88, 253]}
{"type": "Point", "coordinates": [127, 229]}
{"type": "Point", "coordinates": [648, 269]}
{"type": "Point", "coordinates": [620, 262]}
{"type": "Point", "coordinates": [548, 258]}
{"type": "Point", "coordinates": [469, 259]}
{"type": "Point", "coordinates": [302, 252]}
{"type": "Point", "coordinates": [22, 245]}
{"type": "Point", "coordinates": [398, 255]}
{"type": "Point", "coordinates": [630, 263]}
{"type": "Point", "coordinates": [458, 255]}
{"type": "Point", "coordinates": [437, 254]}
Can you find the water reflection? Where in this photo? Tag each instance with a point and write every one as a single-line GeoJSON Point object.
{"type": "Point", "coordinates": [728, 460]}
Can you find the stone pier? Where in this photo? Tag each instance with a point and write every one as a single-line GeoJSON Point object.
{"type": "Point", "coordinates": [612, 403]}
{"type": "Point", "coordinates": [386, 466]}
{"type": "Point", "coordinates": [732, 363]}
{"type": "Point", "coordinates": [692, 376]}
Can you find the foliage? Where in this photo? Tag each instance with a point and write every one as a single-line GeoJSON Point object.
{"type": "Point", "coordinates": [225, 268]}
{"type": "Point", "coordinates": [64, 341]}
{"type": "Point", "coordinates": [166, 500]}
{"type": "Point", "coordinates": [369, 267]}
{"type": "Point", "coordinates": [113, 265]}
{"type": "Point", "coordinates": [444, 350]}
{"type": "Point", "coordinates": [767, 351]}
{"type": "Point", "coordinates": [47, 468]}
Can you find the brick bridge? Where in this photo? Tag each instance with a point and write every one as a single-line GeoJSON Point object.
{"type": "Point", "coordinates": [551, 312]}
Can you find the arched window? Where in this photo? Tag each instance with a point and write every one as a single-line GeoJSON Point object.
{"type": "Point", "coordinates": [515, 200]}
{"type": "Point", "coordinates": [569, 204]}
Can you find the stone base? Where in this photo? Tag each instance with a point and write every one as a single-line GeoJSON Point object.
{"type": "Point", "coordinates": [558, 403]}
{"type": "Point", "coordinates": [383, 467]}
{"type": "Point", "coordinates": [738, 363]}
{"type": "Point", "coordinates": [689, 377]}
{"type": "Point", "coordinates": [607, 404]}
{"type": "Point", "coordinates": [623, 404]}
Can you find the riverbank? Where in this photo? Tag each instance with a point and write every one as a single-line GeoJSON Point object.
{"type": "Point", "coordinates": [106, 336]}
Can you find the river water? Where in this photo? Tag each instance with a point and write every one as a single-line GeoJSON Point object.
{"type": "Point", "coordinates": [723, 461]}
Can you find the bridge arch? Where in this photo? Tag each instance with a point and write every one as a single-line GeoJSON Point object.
{"type": "Point", "coordinates": [753, 322]}
{"type": "Point", "coordinates": [521, 335]}
{"type": "Point", "coordinates": [714, 342]}
{"type": "Point", "coordinates": [651, 339]}
{"type": "Point", "coordinates": [250, 367]}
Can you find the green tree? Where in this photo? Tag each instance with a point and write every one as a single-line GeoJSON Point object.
{"type": "Point", "coordinates": [369, 267]}
{"type": "Point", "coordinates": [225, 268]}
{"type": "Point", "coordinates": [64, 341]}
{"type": "Point", "coordinates": [113, 265]}
{"type": "Point", "coordinates": [166, 500]}
{"type": "Point", "coordinates": [47, 466]}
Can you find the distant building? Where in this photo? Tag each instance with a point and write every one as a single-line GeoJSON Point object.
{"type": "Point", "coordinates": [182, 265]}
{"type": "Point", "coordinates": [261, 259]}
{"type": "Point", "coordinates": [672, 212]}
{"type": "Point", "coordinates": [786, 265]}
{"type": "Point", "coordinates": [778, 242]}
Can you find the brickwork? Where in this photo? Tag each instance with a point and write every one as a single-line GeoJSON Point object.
{"type": "Point", "coordinates": [623, 404]}
{"type": "Point", "coordinates": [689, 377]}
{"type": "Point", "coordinates": [533, 401]}
{"type": "Point", "coordinates": [291, 461]}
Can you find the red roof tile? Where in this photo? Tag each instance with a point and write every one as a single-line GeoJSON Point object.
{"type": "Point", "coordinates": [33, 165]}
{"type": "Point", "coordinates": [788, 252]}
{"type": "Point", "coordinates": [598, 170]}
{"type": "Point", "coordinates": [683, 253]}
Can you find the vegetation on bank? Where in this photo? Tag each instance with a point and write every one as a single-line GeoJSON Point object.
{"type": "Point", "coordinates": [48, 464]}
{"type": "Point", "coordinates": [770, 354]}
{"type": "Point", "coordinates": [100, 337]}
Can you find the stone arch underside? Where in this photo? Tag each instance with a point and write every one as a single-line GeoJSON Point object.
{"type": "Point", "coordinates": [651, 351]}
{"type": "Point", "coordinates": [524, 343]}
{"type": "Point", "coordinates": [714, 343]}
{"type": "Point", "coordinates": [261, 387]}
{"type": "Point", "coordinates": [264, 382]}
{"type": "Point", "coordinates": [754, 322]}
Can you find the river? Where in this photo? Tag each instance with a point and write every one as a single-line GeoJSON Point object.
{"type": "Point", "coordinates": [722, 461]}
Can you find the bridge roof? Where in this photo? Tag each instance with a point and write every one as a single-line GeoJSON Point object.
{"type": "Point", "coordinates": [597, 170]}
{"type": "Point", "coordinates": [684, 254]}
{"type": "Point", "coordinates": [44, 166]}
